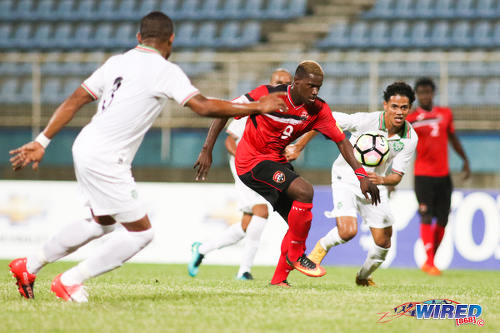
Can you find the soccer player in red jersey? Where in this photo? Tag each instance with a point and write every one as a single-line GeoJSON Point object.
{"type": "Point", "coordinates": [262, 166]}
{"type": "Point", "coordinates": [433, 187]}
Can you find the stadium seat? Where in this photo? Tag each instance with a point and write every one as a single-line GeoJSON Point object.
{"type": "Point", "coordinates": [8, 90]}
{"type": "Point", "coordinates": [461, 34]}
{"type": "Point", "coordinates": [359, 34]}
{"type": "Point", "coordinates": [276, 9]}
{"type": "Point", "coordinates": [63, 10]}
{"type": "Point", "coordinates": [26, 93]}
{"type": "Point", "coordinates": [337, 37]}
{"type": "Point", "coordinates": [403, 9]}
{"type": "Point", "coordinates": [101, 38]}
{"type": "Point", "coordinates": [62, 36]}
{"type": "Point", "coordinates": [6, 10]}
{"type": "Point", "coordinates": [44, 10]}
{"type": "Point", "coordinates": [472, 92]}
{"type": "Point", "coordinates": [454, 92]}
{"type": "Point", "coordinates": [22, 37]}
{"type": "Point", "coordinates": [82, 35]}
{"type": "Point", "coordinates": [482, 34]}
{"type": "Point", "coordinates": [126, 10]}
{"type": "Point", "coordinates": [491, 92]}
{"type": "Point", "coordinates": [464, 9]}
{"type": "Point", "coordinates": [379, 35]}
{"type": "Point", "coordinates": [495, 38]}
{"type": "Point", "coordinates": [188, 10]}
{"type": "Point", "coordinates": [169, 7]}
{"type": "Point", "coordinates": [210, 9]}
{"type": "Point", "coordinates": [105, 10]}
{"type": "Point", "coordinates": [346, 92]}
{"type": "Point", "coordinates": [85, 11]}
{"type": "Point", "coordinates": [5, 35]}
{"type": "Point", "coordinates": [185, 35]}
{"type": "Point", "coordinates": [250, 34]}
{"type": "Point", "coordinates": [297, 8]}
{"type": "Point", "coordinates": [229, 35]}
{"type": "Point", "coordinates": [206, 34]}
{"type": "Point", "coordinates": [231, 9]}
{"type": "Point", "coordinates": [486, 8]}
{"type": "Point", "coordinates": [419, 35]}
{"type": "Point", "coordinates": [443, 9]}
{"type": "Point", "coordinates": [381, 9]}
{"type": "Point", "coordinates": [51, 89]}
{"type": "Point", "coordinates": [399, 34]}
{"type": "Point", "coordinates": [440, 35]}
{"type": "Point", "coordinates": [124, 36]}
{"type": "Point", "coordinates": [424, 9]}
{"type": "Point", "coordinates": [42, 36]}
{"type": "Point", "coordinates": [253, 9]}
{"type": "Point", "coordinates": [23, 10]}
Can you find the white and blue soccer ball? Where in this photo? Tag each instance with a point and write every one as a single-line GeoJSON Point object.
{"type": "Point", "coordinates": [371, 149]}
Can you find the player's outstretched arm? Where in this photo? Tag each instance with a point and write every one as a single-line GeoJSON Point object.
{"type": "Point", "coordinates": [457, 146]}
{"type": "Point", "coordinates": [367, 187]}
{"type": "Point", "coordinates": [33, 151]}
{"type": "Point", "coordinates": [204, 161]}
{"type": "Point", "coordinates": [292, 152]}
{"type": "Point", "coordinates": [391, 179]}
{"type": "Point", "coordinates": [211, 107]}
{"type": "Point", "coordinates": [230, 144]}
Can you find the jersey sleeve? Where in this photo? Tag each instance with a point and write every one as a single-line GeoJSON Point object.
{"type": "Point", "coordinates": [237, 127]}
{"type": "Point", "coordinates": [173, 83]}
{"type": "Point", "coordinates": [257, 93]}
{"type": "Point", "coordinates": [403, 159]}
{"type": "Point", "coordinates": [95, 83]}
{"type": "Point", "coordinates": [348, 122]}
{"type": "Point", "coordinates": [327, 125]}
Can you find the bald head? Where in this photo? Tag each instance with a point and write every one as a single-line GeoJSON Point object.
{"type": "Point", "coordinates": [280, 76]}
{"type": "Point", "coordinates": [307, 68]}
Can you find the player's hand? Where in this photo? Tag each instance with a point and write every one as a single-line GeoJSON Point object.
{"type": "Point", "coordinates": [367, 187]}
{"type": "Point", "coordinates": [273, 102]}
{"type": "Point", "coordinates": [291, 152]}
{"type": "Point", "coordinates": [466, 170]}
{"type": "Point", "coordinates": [375, 179]}
{"type": "Point", "coordinates": [31, 152]}
{"type": "Point", "coordinates": [203, 164]}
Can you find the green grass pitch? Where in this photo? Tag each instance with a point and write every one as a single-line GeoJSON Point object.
{"type": "Point", "coordinates": [163, 298]}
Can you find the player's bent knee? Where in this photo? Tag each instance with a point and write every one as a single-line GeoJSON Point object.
{"type": "Point", "coordinates": [301, 190]}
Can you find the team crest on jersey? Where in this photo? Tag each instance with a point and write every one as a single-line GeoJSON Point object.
{"type": "Point", "coordinates": [304, 115]}
{"type": "Point", "coordinates": [279, 177]}
{"type": "Point", "coordinates": [397, 145]}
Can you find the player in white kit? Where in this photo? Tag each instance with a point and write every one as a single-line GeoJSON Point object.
{"type": "Point", "coordinates": [253, 206]}
{"type": "Point", "coordinates": [347, 197]}
{"type": "Point", "coordinates": [132, 89]}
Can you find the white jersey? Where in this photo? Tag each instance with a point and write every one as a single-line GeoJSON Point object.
{"type": "Point", "coordinates": [402, 146]}
{"type": "Point", "coordinates": [133, 88]}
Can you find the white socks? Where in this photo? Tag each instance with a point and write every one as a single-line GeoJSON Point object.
{"type": "Point", "coordinates": [331, 239]}
{"type": "Point", "coordinates": [118, 248]}
{"type": "Point", "coordinates": [375, 257]}
{"type": "Point", "coordinates": [67, 240]}
{"type": "Point", "coordinates": [229, 236]}
{"type": "Point", "coordinates": [254, 233]}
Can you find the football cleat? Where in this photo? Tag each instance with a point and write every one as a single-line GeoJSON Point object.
{"type": "Point", "coordinates": [431, 269]}
{"type": "Point", "coordinates": [245, 276]}
{"type": "Point", "coordinates": [306, 266]}
{"type": "Point", "coordinates": [317, 254]}
{"type": "Point", "coordinates": [25, 280]}
{"type": "Point", "coordinates": [196, 259]}
{"type": "Point", "coordinates": [368, 282]}
{"type": "Point", "coordinates": [283, 284]}
{"type": "Point", "coordinates": [75, 293]}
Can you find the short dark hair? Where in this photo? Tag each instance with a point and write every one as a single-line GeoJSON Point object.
{"type": "Point", "coordinates": [156, 25]}
{"type": "Point", "coordinates": [399, 88]}
{"type": "Point", "coordinates": [425, 82]}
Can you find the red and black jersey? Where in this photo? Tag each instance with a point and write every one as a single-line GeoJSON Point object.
{"type": "Point", "coordinates": [267, 135]}
{"type": "Point", "coordinates": [433, 128]}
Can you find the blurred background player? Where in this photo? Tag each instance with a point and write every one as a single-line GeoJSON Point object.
{"type": "Point", "coordinates": [433, 186]}
{"type": "Point", "coordinates": [262, 166]}
{"type": "Point", "coordinates": [253, 206]}
{"type": "Point", "coordinates": [133, 88]}
{"type": "Point", "coordinates": [347, 198]}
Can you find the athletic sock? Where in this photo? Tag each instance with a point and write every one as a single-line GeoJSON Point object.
{"type": "Point", "coordinates": [428, 239]}
{"type": "Point", "coordinates": [282, 269]}
{"type": "Point", "coordinates": [229, 236]}
{"type": "Point", "coordinates": [438, 232]}
{"type": "Point", "coordinates": [331, 239]}
{"type": "Point", "coordinates": [254, 233]}
{"type": "Point", "coordinates": [375, 257]}
{"type": "Point", "coordinates": [299, 223]}
{"type": "Point", "coordinates": [71, 237]}
{"type": "Point", "coordinates": [118, 248]}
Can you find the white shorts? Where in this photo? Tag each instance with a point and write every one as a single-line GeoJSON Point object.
{"type": "Point", "coordinates": [247, 198]}
{"type": "Point", "coordinates": [348, 201]}
{"type": "Point", "coordinates": [108, 189]}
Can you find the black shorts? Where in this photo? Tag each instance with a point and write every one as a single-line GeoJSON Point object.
{"type": "Point", "coordinates": [434, 196]}
{"type": "Point", "coordinates": [271, 180]}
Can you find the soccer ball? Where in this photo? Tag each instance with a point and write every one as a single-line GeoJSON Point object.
{"type": "Point", "coordinates": [371, 149]}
